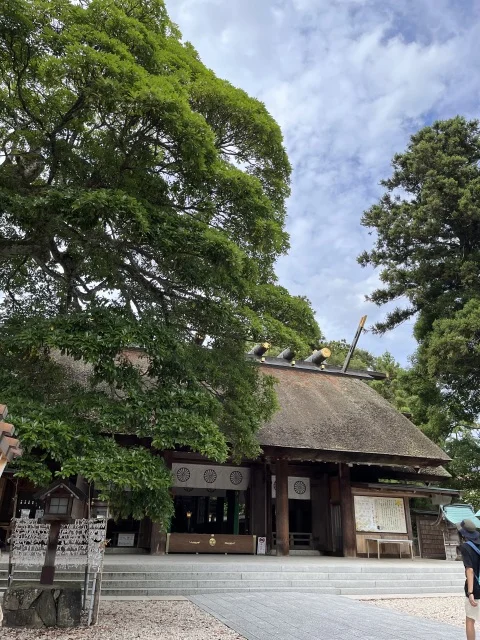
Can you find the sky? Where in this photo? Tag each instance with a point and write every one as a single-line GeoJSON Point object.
{"type": "Point", "coordinates": [348, 81]}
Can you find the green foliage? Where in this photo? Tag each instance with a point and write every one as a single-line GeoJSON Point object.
{"type": "Point", "coordinates": [142, 203]}
{"type": "Point", "coordinates": [464, 449]}
{"type": "Point", "coordinates": [427, 227]}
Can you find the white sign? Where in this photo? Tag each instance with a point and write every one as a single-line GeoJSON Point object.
{"type": "Point", "coordinates": [298, 488]}
{"type": "Point", "coordinates": [380, 514]}
{"type": "Point", "coordinates": [25, 513]}
{"type": "Point", "coordinates": [261, 546]}
{"type": "Point", "coordinates": [201, 476]}
{"type": "Point", "coordinates": [29, 542]}
{"type": "Point", "coordinates": [81, 542]}
{"type": "Point", "coordinates": [126, 540]}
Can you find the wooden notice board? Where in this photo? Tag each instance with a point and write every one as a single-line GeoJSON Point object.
{"type": "Point", "coordinates": [377, 514]}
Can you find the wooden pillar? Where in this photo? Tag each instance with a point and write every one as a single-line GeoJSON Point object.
{"type": "Point", "coordinates": [206, 513]}
{"type": "Point", "coordinates": [233, 511]}
{"type": "Point", "coordinates": [348, 513]}
{"type": "Point", "coordinates": [269, 507]}
{"type": "Point", "coordinates": [236, 514]}
{"type": "Point", "coordinates": [258, 500]}
{"type": "Point", "coordinates": [281, 473]}
{"type": "Point", "coordinates": [47, 575]}
{"type": "Point", "coordinates": [219, 513]}
{"type": "Point", "coordinates": [320, 498]}
{"type": "Point", "coordinates": [408, 517]}
{"type": "Point", "coordinates": [230, 510]}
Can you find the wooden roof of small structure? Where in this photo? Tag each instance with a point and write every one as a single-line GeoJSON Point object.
{"type": "Point", "coordinates": [74, 491]}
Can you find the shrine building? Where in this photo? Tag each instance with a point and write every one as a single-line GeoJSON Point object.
{"type": "Point", "coordinates": [338, 469]}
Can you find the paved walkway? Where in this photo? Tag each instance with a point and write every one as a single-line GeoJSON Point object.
{"type": "Point", "coordinates": [304, 616]}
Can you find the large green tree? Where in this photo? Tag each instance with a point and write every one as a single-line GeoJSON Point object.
{"type": "Point", "coordinates": [428, 247]}
{"type": "Point", "coordinates": [142, 203]}
{"type": "Point", "coordinates": [427, 226]}
{"type": "Point", "coordinates": [427, 244]}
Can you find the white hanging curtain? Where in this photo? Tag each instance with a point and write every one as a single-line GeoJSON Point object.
{"type": "Point", "coordinates": [298, 488]}
{"type": "Point", "coordinates": [200, 476]}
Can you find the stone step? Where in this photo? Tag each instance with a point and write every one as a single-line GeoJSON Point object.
{"type": "Point", "coordinates": [407, 567]}
{"type": "Point", "coordinates": [258, 585]}
{"type": "Point", "coordinates": [205, 590]}
{"type": "Point", "coordinates": [274, 568]}
{"type": "Point", "coordinates": [137, 578]}
{"type": "Point", "coordinates": [357, 591]}
{"type": "Point", "coordinates": [182, 579]}
{"type": "Point", "coordinates": [277, 577]}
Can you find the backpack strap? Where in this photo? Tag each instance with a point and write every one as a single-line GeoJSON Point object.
{"type": "Point", "coordinates": [473, 546]}
{"type": "Point", "coordinates": [477, 551]}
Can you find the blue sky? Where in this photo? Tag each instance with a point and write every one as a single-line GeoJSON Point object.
{"type": "Point", "coordinates": [348, 81]}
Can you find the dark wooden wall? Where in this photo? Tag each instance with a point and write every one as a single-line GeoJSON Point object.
{"type": "Point", "coordinates": [430, 536]}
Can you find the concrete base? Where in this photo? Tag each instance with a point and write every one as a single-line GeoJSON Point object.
{"type": "Point", "coordinates": [37, 606]}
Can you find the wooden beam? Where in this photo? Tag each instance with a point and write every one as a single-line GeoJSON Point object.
{"type": "Point", "coordinates": [283, 543]}
{"type": "Point", "coordinates": [320, 455]}
{"type": "Point", "coordinates": [374, 473]}
{"type": "Point", "coordinates": [349, 533]}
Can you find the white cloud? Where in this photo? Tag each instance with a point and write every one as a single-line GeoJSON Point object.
{"type": "Point", "coordinates": [348, 81]}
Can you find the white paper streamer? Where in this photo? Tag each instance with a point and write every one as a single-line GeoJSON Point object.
{"type": "Point", "coordinates": [29, 542]}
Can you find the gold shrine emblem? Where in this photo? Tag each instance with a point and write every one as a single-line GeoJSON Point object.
{"type": "Point", "coordinates": [212, 542]}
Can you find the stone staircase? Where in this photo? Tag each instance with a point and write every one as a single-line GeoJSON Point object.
{"type": "Point", "coordinates": [355, 578]}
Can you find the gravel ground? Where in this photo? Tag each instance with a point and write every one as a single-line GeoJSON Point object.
{"type": "Point", "coordinates": [447, 609]}
{"type": "Point", "coordinates": [141, 620]}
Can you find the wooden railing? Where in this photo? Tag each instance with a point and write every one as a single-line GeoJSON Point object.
{"type": "Point", "coordinates": [297, 540]}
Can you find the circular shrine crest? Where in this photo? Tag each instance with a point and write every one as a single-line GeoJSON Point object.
{"type": "Point", "coordinates": [236, 477]}
{"type": "Point", "coordinates": [300, 487]}
{"type": "Point", "coordinates": [183, 474]}
{"type": "Point", "coordinates": [210, 476]}
{"type": "Point", "coordinates": [211, 490]}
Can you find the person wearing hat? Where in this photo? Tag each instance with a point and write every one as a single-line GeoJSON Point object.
{"type": "Point", "coordinates": [470, 550]}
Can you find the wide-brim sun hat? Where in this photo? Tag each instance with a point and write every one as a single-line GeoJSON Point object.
{"type": "Point", "coordinates": [468, 530]}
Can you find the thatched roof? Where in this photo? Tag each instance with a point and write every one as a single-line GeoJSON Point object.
{"type": "Point", "coordinates": [343, 415]}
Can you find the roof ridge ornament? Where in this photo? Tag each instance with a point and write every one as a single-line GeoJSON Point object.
{"type": "Point", "coordinates": [319, 356]}
{"type": "Point", "coordinates": [353, 346]}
